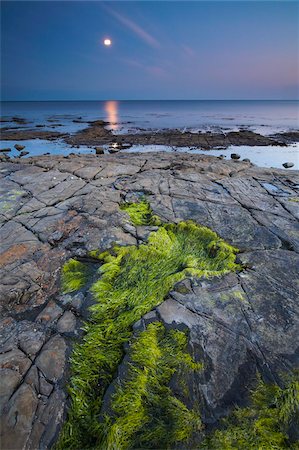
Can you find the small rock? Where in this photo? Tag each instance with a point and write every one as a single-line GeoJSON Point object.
{"type": "Point", "coordinates": [73, 301]}
{"type": "Point", "coordinates": [4, 157]}
{"type": "Point", "coordinates": [24, 154]}
{"type": "Point", "coordinates": [32, 378]}
{"type": "Point", "coordinates": [67, 323]}
{"type": "Point", "coordinates": [15, 360]}
{"type": "Point", "coordinates": [246, 160]}
{"type": "Point", "coordinates": [50, 313]}
{"type": "Point", "coordinates": [55, 237]}
{"type": "Point", "coordinates": [99, 150]}
{"type": "Point", "coordinates": [45, 387]}
{"type": "Point", "coordinates": [4, 150]}
{"type": "Point", "coordinates": [288, 165]}
{"type": "Point", "coordinates": [51, 360]}
{"type": "Point", "coordinates": [31, 341]}
{"type": "Point", "coordinates": [77, 301]}
{"type": "Point", "coordinates": [235, 156]}
{"type": "Point", "coordinates": [125, 145]}
{"type": "Point", "coordinates": [19, 147]}
{"type": "Point", "coordinates": [9, 381]}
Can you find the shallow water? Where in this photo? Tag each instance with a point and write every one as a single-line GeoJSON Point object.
{"type": "Point", "coordinates": [267, 156]}
{"type": "Point", "coordinates": [264, 156]}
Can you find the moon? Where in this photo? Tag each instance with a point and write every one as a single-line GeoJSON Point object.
{"type": "Point", "coordinates": [107, 42]}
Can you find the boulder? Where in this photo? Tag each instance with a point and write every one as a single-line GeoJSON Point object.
{"type": "Point", "coordinates": [235, 156]}
{"type": "Point", "coordinates": [99, 150]}
{"type": "Point", "coordinates": [19, 147]}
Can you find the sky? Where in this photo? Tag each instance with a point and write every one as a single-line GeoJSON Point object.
{"type": "Point", "coordinates": [160, 50]}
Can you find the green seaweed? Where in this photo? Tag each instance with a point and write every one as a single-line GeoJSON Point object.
{"type": "Point", "coordinates": [73, 276]}
{"type": "Point", "coordinates": [265, 423]}
{"type": "Point", "coordinates": [141, 213]}
{"type": "Point", "coordinates": [145, 411]}
{"type": "Point", "coordinates": [133, 280]}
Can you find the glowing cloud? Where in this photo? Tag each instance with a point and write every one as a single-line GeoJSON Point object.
{"type": "Point", "coordinates": [133, 27]}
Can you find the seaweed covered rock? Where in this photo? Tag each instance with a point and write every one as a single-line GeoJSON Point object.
{"type": "Point", "coordinates": [133, 281]}
{"type": "Point", "coordinates": [82, 210]}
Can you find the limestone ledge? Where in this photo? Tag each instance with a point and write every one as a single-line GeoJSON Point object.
{"type": "Point", "coordinates": [54, 208]}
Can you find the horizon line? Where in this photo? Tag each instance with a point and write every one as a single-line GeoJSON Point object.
{"type": "Point", "coordinates": [162, 100]}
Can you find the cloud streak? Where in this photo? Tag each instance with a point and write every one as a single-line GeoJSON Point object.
{"type": "Point", "coordinates": [154, 70]}
{"type": "Point", "coordinates": [133, 26]}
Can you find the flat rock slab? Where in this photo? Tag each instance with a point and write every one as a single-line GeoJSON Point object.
{"type": "Point", "coordinates": [54, 208]}
{"type": "Point", "coordinates": [240, 325]}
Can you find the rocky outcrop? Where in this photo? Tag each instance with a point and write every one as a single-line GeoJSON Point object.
{"type": "Point", "coordinates": [96, 134]}
{"type": "Point", "coordinates": [24, 134]}
{"type": "Point", "coordinates": [53, 208]}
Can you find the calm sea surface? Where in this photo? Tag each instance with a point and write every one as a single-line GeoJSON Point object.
{"type": "Point", "coordinates": [265, 117]}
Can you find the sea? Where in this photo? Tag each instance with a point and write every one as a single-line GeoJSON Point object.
{"type": "Point", "coordinates": [264, 117]}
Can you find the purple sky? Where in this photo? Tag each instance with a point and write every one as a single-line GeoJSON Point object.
{"type": "Point", "coordinates": [160, 50]}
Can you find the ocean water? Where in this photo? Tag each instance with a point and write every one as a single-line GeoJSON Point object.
{"type": "Point", "coordinates": [134, 116]}
{"type": "Point", "coordinates": [265, 117]}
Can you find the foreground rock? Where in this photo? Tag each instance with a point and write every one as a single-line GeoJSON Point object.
{"type": "Point", "coordinates": [53, 208]}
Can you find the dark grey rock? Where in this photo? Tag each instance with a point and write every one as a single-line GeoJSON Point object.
{"type": "Point", "coordinates": [10, 379]}
{"type": "Point", "coordinates": [32, 378]}
{"type": "Point", "coordinates": [50, 313]}
{"type": "Point", "coordinates": [235, 156]}
{"type": "Point", "coordinates": [288, 165]}
{"type": "Point", "coordinates": [18, 418]}
{"type": "Point", "coordinates": [15, 360]}
{"type": "Point", "coordinates": [23, 153]}
{"type": "Point", "coordinates": [55, 237]}
{"type": "Point", "coordinates": [51, 360]}
{"type": "Point", "coordinates": [67, 323]}
{"type": "Point", "coordinates": [45, 387]}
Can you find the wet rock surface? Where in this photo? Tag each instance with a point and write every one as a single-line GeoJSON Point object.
{"type": "Point", "coordinates": [22, 135]}
{"type": "Point", "coordinates": [54, 208]}
{"type": "Point", "coordinates": [96, 134]}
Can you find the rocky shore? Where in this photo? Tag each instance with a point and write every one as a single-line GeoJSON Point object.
{"type": "Point", "coordinates": [96, 133]}
{"type": "Point", "coordinates": [54, 208]}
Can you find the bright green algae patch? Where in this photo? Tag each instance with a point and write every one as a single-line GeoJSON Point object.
{"type": "Point", "coordinates": [141, 213]}
{"type": "Point", "coordinates": [133, 281]}
{"type": "Point", "coordinates": [265, 424]}
{"type": "Point", "coordinates": [145, 411]}
{"type": "Point", "coordinates": [73, 276]}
